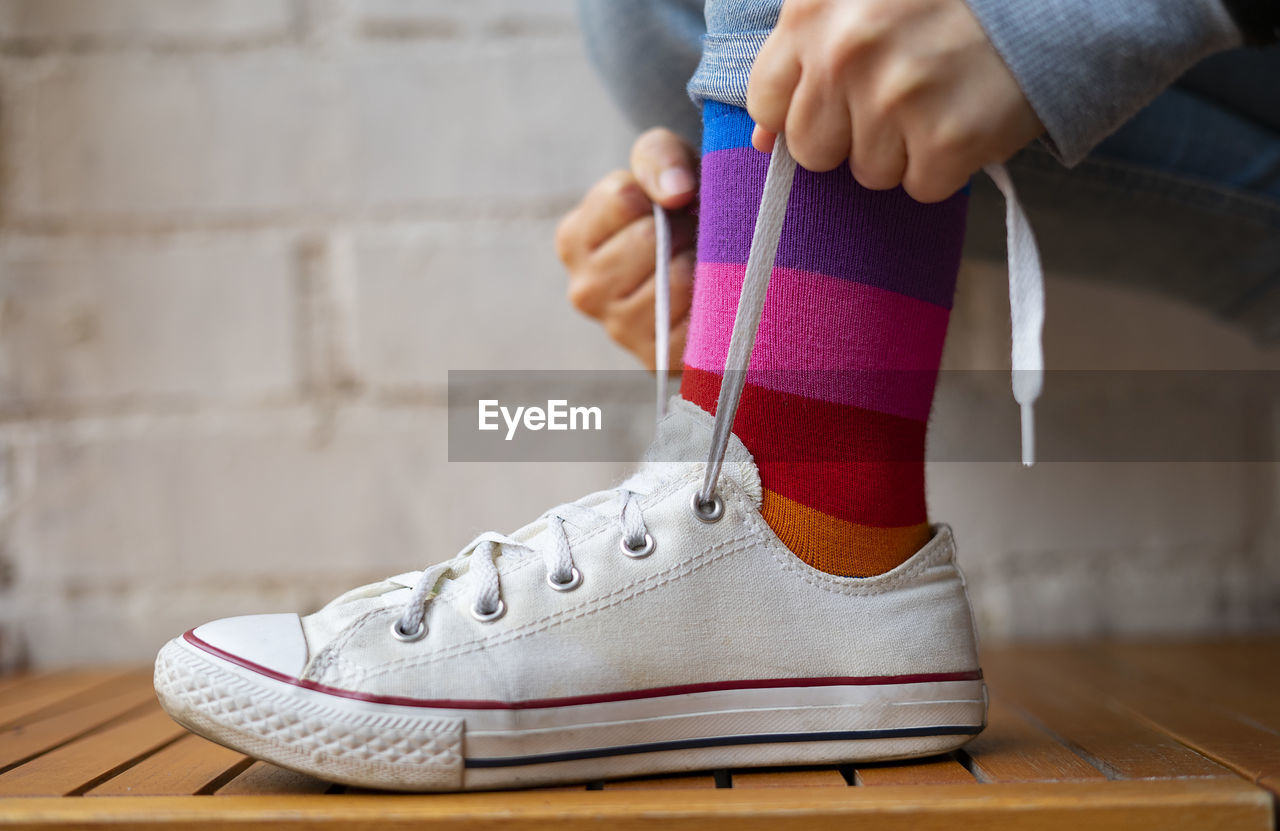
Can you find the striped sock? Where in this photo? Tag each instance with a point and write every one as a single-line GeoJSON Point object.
{"type": "Point", "coordinates": [842, 376]}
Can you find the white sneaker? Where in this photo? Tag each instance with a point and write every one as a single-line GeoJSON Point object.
{"type": "Point", "coordinates": [657, 627]}
{"type": "Point", "coordinates": [624, 634]}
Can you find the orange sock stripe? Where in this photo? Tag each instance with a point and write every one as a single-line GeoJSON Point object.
{"type": "Point", "coordinates": [838, 546]}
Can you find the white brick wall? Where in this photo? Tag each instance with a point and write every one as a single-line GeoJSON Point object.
{"type": "Point", "coordinates": [114, 322]}
{"type": "Point", "coordinates": [242, 241]}
{"type": "Point", "coordinates": [504, 306]}
{"type": "Point", "coordinates": [170, 139]}
{"type": "Point", "coordinates": [81, 24]}
{"type": "Point", "coordinates": [499, 123]}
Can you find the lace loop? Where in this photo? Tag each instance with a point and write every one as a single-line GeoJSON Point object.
{"type": "Point", "coordinates": [1026, 308]}
{"type": "Point", "coordinates": [478, 560]}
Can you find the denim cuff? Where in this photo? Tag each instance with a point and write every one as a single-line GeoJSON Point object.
{"type": "Point", "coordinates": [725, 68]}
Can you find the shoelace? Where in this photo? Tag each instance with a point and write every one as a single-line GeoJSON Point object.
{"type": "Point", "coordinates": [1026, 312]}
{"type": "Point", "coordinates": [562, 574]}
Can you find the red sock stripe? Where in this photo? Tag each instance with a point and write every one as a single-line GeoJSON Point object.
{"type": "Point", "coordinates": [853, 464]}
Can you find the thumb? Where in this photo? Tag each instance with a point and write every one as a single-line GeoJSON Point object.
{"type": "Point", "coordinates": [664, 166]}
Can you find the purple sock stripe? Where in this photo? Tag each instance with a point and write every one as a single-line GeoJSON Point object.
{"type": "Point", "coordinates": [879, 238]}
{"type": "Point", "coordinates": [825, 339]}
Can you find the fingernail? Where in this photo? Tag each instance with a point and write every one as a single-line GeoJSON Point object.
{"type": "Point", "coordinates": [675, 180]}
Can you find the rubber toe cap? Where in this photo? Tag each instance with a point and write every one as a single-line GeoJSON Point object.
{"type": "Point", "coordinates": [271, 642]}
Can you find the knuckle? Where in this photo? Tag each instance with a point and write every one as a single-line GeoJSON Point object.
{"type": "Point", "coordinates": [615, 181]}
{"type": "Point", "coordinates": [652, 141]}
{"type": "Point", "coordinates": [815, 156]}
{"type": "Point", "coordinates": [897, 88]}
{"type": "Point", "coordinates": [852, 42]}
{"type": "Point", "coordinates": [799, 11]}
{"type": "Point", "coordinates": [874, 177]}
{"type": "Point", "coordinates": [584, 295]}
{"type": "Point", "coordinates": [564, 237]}
{"type": "Point", "coordinates": [683, 265]}
{"type": "Point", "coordinates": [950, 137]}
{"type": "Point", "coordinates": [617, 329]}
{"type": "Point", "coordinates": [926, 187]}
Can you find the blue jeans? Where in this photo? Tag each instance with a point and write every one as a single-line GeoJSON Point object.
{"type": "Point", "coordinates": [1183, 199]}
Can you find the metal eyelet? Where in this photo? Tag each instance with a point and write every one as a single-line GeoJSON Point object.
{"type": "Point", "coordinates": [408, 637]}
{"type": "Point", "coordinates": [485, 617]}
{"type": "Point", "coordinates": [710, 511]}
{"type": "Point", "coordinates": [646, 547]}
{"type": "Point", "coordinates": [575, 580]}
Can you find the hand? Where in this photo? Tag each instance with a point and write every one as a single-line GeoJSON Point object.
{"type": "Point", "coordinates": [607, 244]}
{"type": "Point", "coordinates": [911, 92]}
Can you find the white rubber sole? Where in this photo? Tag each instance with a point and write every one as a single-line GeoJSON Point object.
{"type": "Point", "coordinates": [415, 748]}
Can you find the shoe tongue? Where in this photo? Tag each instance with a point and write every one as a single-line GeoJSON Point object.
{"type": "Point", "coordinates": [684, 437]}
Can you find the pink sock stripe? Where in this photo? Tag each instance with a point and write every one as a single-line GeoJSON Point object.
{"type": "Point", "coordinates": [817, 331]}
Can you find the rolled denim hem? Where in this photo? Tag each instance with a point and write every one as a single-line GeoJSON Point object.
{"type": "Point", "coordinates": [1205, 243]}
{"type": "Point", "coordinates": [725, 68]}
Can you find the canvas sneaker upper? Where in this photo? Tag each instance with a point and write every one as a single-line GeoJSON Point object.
{"type": "Point", "coordinates": [723, 601]}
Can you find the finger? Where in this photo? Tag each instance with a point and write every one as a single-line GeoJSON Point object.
{"type": "Point", "coordinates": [762, 139]}
{"type": "Point", "coordinates": [682, 266]}
{"type": "Point", "coordinates": [818, 127]}
{"type": "Point", "coordinates": [773, 81]}
{"type": "Point", "coordinates": [636, 309]}
{"type": "Point", "coordinates": [932, 177]}
{"type": "Point", "coordinates": [625, 260]}
{"type": "Point", "coordinates": [610, 205]}
{"type": "Point", "coordinates": [684, 231]}
{"type": "Point", "coordinates": [664, 165]}
{"type": "Point", "coordinates": [629, 321]}
{"type": "Point", "coordinates": [620, 264]}
{"type": "Point", "coordinates": [638, 339]}
{"type": "Point", "coordinates": [679, 336]}
{"type": "Point", "coordinates": [646, 350]}
{"type": "Point", "coordinates": [879, 154]}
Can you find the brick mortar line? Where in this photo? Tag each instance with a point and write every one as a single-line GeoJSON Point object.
{"type": "Point", "coordinates": [297, 415]}
{"type": "Point", "coordinates": [373, 32]}
{"type": "Point", "coordinates": [496, 211]}
{"type": "Point", "coordinates": [27, 48]}
{"type": "Point", "coordinates": [319, 42]}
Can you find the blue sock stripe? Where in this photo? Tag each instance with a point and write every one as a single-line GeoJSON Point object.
{"type": "Point", "coordinates": [726, 127]}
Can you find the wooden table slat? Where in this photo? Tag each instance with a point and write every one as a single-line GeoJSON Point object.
{"type": "Point", "coordinates": [942, 770]}
{"type": "Point", "coordinates": [8, 682]}
{"type": "Point", "coordinates": [186, 767]}
{"type": "Point", "coordinates": [81, 762]}
{"type": "Point", "coordinates": [1192, 805]}
{"type": "Point", "coordinates": [1248, 749]}
{"type": "Point", "coordinates": [51, 694]}
{"type": "Point", "coordinates": [262, 778]}
{"type": "Point", "coordinates": [1077, 713]}
{"type": "Point", "coordinates": [34, 737]}
{"type": "Point", "coordinates": [825, 778]}
{"type": "Point", "coordinates": [1244, 683]}
{"type": "Point", "coordinates": [1013, 749]}
{"type": "Point", "coordinates": [694, 782]}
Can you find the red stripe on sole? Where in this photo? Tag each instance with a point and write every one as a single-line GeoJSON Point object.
{"type": "Point", "coordinates": [569, 701]}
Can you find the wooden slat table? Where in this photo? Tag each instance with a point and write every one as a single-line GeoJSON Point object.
{"type": "Point", "coordinates": [1105, 736]}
